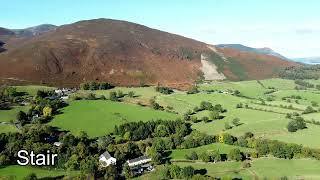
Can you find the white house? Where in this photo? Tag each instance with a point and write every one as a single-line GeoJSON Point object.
{"type": "Point", "coordinates": [105, 159]}
{"type": "Point", "coordinates": [138, 161]}
{"type": "Point", "coordinates": [58, 92]}
{"type": "Point", "coordinates": [58, 144]}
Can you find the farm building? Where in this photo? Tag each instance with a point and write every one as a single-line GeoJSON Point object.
{"type": "Point", "coordinates": [105, 159]}
{"type": "Point", "coordinates": [138, 161]}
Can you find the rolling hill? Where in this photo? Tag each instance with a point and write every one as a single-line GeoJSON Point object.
{"type": "Point", "coordinates": [124, 53]}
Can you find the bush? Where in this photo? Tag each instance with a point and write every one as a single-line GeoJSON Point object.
{"type": "Point", "coordinates": [227, 126]}
{"type": "Point", "coordinates": [192, 156]}
{"type": "Point", "coordinates": [164, 90]}
{"type": "Point", "coordinates": [246, 164]}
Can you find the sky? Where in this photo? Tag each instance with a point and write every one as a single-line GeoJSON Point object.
{"type": "Point", "coordinates": [290, 27]}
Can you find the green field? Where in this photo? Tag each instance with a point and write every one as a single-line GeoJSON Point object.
{"type": "Point", "coordinates": [141, 94]}
{"type": "Point", "coordinates": [5, 128]}
{"type": "Point", "coordinates": [262, 168]}
{"type": "Point", "coordinates": [32, 89]}
{"type": "Point", "coordinates": [294, 169]}
{"type": "Point", "coordinates": [221, 169]}
{"type": "Point", "coordinates": [10, 115]}
{"type": "Point", "coordinates": [98, 117]}
{"type": "Point", "coordinates": [179, 154]}
{"type": "Point", "coordinates": [19, 172]}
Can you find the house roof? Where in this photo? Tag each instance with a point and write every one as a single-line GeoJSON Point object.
{"type": "Point", "coordinates": [106, 155]}
{"type": "Point", "coordinates": [141, 158]}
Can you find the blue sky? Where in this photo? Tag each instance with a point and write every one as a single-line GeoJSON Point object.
{"type": "Point", "coordinates": [291, 27]}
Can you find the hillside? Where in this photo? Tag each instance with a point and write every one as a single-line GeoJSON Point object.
{"type": "Point", "coordinates": [240, 47]}
{"type": "Point", "coordinates": [247, 65]}
{"type": "Point", "coordinates": [124, 53]}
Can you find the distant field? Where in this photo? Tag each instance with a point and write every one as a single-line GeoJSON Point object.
{"type": "Point", "coordinates": [183, 102]}
{"type": "Point", "coordinates": [305, 137]}
{"type": "Point", "coordinates": [257, 122]}
{"type": "Point", "coordinates": [312, 116]}
{"type": "Point", "coordinates": [307, 95]}
{"type": "Point", "coordinates": [221, 169]}
{"type": "Point", "coordinates": [98, 117]}
{"type": "Point", "coordinates": [19, 172]}
{"type": "Point", "coordinates": [32, 90]}
{"type": "Point", "coordinates": [247, 88]}
{"type": "Point", "coordinates": [280, 84]}
{"type": "Point", "coordinates": [294, 169]}
{"type": "Point", "coordinates": [222, 148]}
{"type": "Point", "coordinates": [7, 115]}
{"type": "Point", "coordinates": [263, 168]}
{"type": "Point", "coordinates": [142, 94]}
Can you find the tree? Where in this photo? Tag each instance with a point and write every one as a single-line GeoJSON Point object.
{"type": "Point", "coordinates": [111, 173]}
{"type": "Point", "coordinates": [156, 158]}
{"type": "Point", "coordinates": [127, 171]}
{"type": "Point", "coordinates": [84, 86]}
{"type": "Point", "coordinates": [127, 136]}
{"type": "Point", "coordinates": [22, 117]}
{"type": "Point", "coordinates": [72, 163]}
{"type": "Point", "coordinates": [301, 124]}
{"type": "Point", "coordinates": [214, 115]}
{"type": "Point", "coordinates": [235, 154]}
{"type": "Point", "coordinates": [155, 105]}
{"type": "Point", "coordinates": [88, 165]}
{"type": "Point", "coordinates": [227, 126]}
{"type": "Point", "coordinates": [308, 110]}
{"type": "Point", "coordinates": [205, 119]}
{"type": "Point", "coordinates": [215, 156]}
{"type": "Point", "coordinates": [131, 94]}
{"type": "Point", "coordinates": [194, 119]}
{"type": "Point", "coordinates": [236, 121]}
{"type": "Point", "coordinates": [205, 157]}
{"type": "Point", "coordinates": [187, 172]}
{"type": "Point", "coordinates": [113, 96]}
{"type": "Point", "coordinates": [120, 94]}
{"type": "Point", "coordinates": [47, 111]}
{"type": "Point", "coordinates": [175, 171]}
{"type": "Point", "coordinates": [162, 130]}
{"type": "Point", "coordinates": [193, 90]}
{"type": "Point", "coordinates": [240, 105]}
{"type": "Point", "coordinates": [292, 126]}
{"type": "Point", "coordinates": [192, 156]}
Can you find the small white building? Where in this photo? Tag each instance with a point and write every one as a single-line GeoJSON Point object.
{"type": "Point", "coordinates": [58, 92]}
{"type": "Point", "coordinates": [138, 161]}
{"type": "Point", "coordinates": [57, 144]}
{"type": "Point", "coordinates": [105, 159]}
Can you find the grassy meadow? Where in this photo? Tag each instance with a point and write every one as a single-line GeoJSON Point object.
{"type": "Point", "coordinates": [19, 172]}
{"type": "Point", "coordinates": [179, 154]}
{"type": "Point", "coordinates": [98, 117]}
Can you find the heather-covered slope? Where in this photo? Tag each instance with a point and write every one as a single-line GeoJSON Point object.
{"type": "Point", "coordinates": [122, 53]}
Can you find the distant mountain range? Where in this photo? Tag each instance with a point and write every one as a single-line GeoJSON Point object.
{"type": "Point", "coordinates": [240, 47]}
{"type": "Point", "coordinates": [27, 32]}
{"type": "Point", "coordinates": [125, 54]}
{"type": "Point", "coordinates": [308, 60]}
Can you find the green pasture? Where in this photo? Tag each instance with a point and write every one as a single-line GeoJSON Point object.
{"type": "Point", "coordinates": [19, 172]}
{"type": "Point", "coordinates": [6, 128]}
{"type": "Point", "coordinates": [99, 117]}
{"type": "Point", "coordinates": [179, 154]}
{"type": "Point", "coordinates": [33, 89]}
{"type": "Point", "coordinates": [11, 114]}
